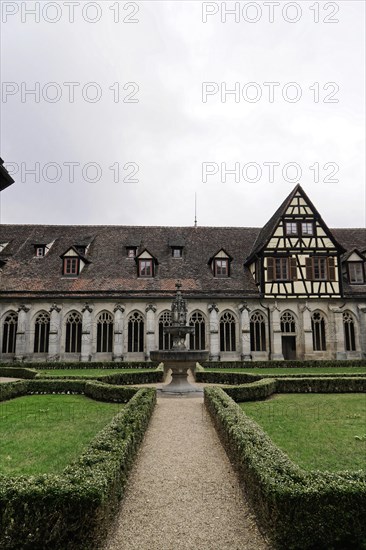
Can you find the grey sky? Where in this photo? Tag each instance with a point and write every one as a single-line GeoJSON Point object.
{"type": "Point", "coordinates": [170, 132]}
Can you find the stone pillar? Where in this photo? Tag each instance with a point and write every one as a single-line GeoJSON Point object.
{"type": "Point", "coordinates": [214, 333]}
{"type": "Point", "coordinates": [87, 333]}
{"type": "Point", "coordinates": [150, 330]}
{"type": "Point", "coordinates": [308, 333]}
{"type": "Point", "coordinates": [119, 319]}
{"type": "Point", "coordinates": [55, 334]}
{"type": "Point", "coordinates": [245, 332]}
{"type": "Point", "coordinates": [335, 333]}
{"type": "Point", "coordinates": [362, 330]}
{"type": "Point", "coordinates": [277, 354]}
{"type": "Point", "coordinates": [22, 332]}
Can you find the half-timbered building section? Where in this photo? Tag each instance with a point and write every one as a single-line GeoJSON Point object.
{"type": "Point", "coordinates": [292, 289]}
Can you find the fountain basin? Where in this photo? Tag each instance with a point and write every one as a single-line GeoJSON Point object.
{"type": "Point", "coordinates": [179, 361]}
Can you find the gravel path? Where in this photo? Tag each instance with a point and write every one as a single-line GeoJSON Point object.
{"type": "Point", "coordinates": [182, 493]}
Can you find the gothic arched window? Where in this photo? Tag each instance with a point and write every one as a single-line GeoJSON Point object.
{"type": "Point", "coordinates": [105, 333]}
{"type": "Point", "coordinates": [257, 332]}
{"type": "Point", "coordinates": [197, 340]}
{"type": "Point", "coordinates": [318, 329]}
{"type": "Point", "coordinates": [10, 332]}
{"type": "Point", "coordinates": [73, 333]}
{"type": "Point", "coordinates": [135, 332]}
{"type": "Point", "coordinates": [288, 322]}
{"type": "Point", "coordinates": [165, 339]}
{"type": "Point", "coordinates": [41, 333]}
{"type": "Point", "coordinates": [227, 332]}
{"type": "Point", "coordinates": [349, 332]}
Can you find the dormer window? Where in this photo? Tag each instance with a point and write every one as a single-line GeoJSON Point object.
{"type": "Point", "coordinates": [177, 252]}
{"type": "Point", "coordinates": [2, 246]}
{"type": "Point", "coordinates": [40, 251]}
{"type": "Point", "coordinates": [131, 251]}
{"type": "Point", "coordinates": [71, 266]}
{"type": "Point", "coordinates": [356, 273]}
{"type": "Point", "coordinates": [145, 268]}
{"type": "Point", "coordinates": [221, 267]}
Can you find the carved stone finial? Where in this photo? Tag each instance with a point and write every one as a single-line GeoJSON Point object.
{"type": "Point", "coordinates": [87, 308]}
{"type": "Point", "coordinates": [23, 308]}
{"type": "Point", "coordinates": [178, 285]}
{"type": "Point", "coordinates": [243, 307]}
{"type": "Point", "coordinates": [150, 307]}
{"type": "Point", "coordinates": [55, 307]}
{"type": "Point", "coordinates": [213, 307]}
{"type": "Point", "coordinates": [118, 307]}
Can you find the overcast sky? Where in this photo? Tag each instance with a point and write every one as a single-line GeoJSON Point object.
{"type": "Point", "coordinates": [163, 127]}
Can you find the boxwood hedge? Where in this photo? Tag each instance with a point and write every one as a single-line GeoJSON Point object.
{"type": "Point", "coordinates": [17, 372]}
{"type": "Point", "coordinates": [289, 364]}
{"type": "Point", "coordinates": [298, 510]}
{"type": "Point", "coordinates": [43, 365]}
{"type": "Point", "coordinates": [73, 510]}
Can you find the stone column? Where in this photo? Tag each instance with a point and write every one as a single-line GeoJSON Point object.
{"type": "Point", "coordinates": [308, 333]}
{"type": "Point", "coordinates": [87, 333]}
{"type": "Point", "coordinates": [335, 333]}
{"type": "Point", "coordinates": [118, 332]}
{"type": "Point", "coordinates": [277, 354]}
{"type": "Point", "coordinates": [55, 334]}
{"type": "Point", "coordinates": [214, 333]}
{"type": "Point", "coordinates": [22, 332]}
{"type": "Point", "coordinates": [245, 332]}
{"type": "Point", "coordinates": [150, 330]}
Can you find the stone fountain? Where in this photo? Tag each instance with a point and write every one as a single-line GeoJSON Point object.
{"type": "Point", "coordinates": [179, 359]}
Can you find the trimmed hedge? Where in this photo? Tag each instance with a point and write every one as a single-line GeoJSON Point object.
{"type": "Point", "coordinates": [43, 365]}
{"type": "Point", "coordinates": [73, 510]}
{"type": "Point", "coordinates": [223, 377]}
{"type": "Point", "coordinates": [288, 364]}
{"type": "Point", "coordinates": [320, 385]}
{"type": "Point", "coordinates": [17, 372]}
{"type": "Point", "coordinates": [127, 378]}
{"type": "Point", "coordinates": [108, 392]}
{"type": "Point", "coordinates": [298, 510]}
{"type": "Point", "coordinates": [252, 392]}
{"type": "Point", "coordinates": [11, 390]}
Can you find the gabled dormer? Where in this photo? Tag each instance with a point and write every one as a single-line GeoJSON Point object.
{"type": "Point", "coordinates": [146, 264]}
{"type": "Point", "coordinates": [354, 267]}
{"type": "Point", "coordinates": [295, 253]}
{"type": "Point", "coordinates": [73, 262]}
{"type": "Point", "coordinates": [220, 264]}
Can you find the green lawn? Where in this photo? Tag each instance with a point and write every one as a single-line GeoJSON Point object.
{"type": "Point", "coordinates": [44, 433]}
{"type": "Point", "coordinates": [322, 431]}
{"type": "Point", "coordinates": [88, 373]}
{"type": "Point", "coordinates": [304, 370]}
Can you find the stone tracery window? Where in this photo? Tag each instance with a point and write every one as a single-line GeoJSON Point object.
{"type": "Point", "coordinates": [136, 332]}
{"type": "Point", "coordinates": [288, 322]}
{"type": "Point", "coordinates": [349, 332]}
{"type": "Point", "coordinates": [227, 332]}
{"type": "Point", "coordinates": [165, 340]}
{"type": "Point", "coordinates": [105, 333]}
{"type": "Point", "coordinates": [73, 333]}
{"type": "Point", "coordinates": [9, 333]}
{"type": "Point", "coordinates": [257, 332]}
{"type": "Point", "coordinates": [197, 340]}
{"type": "Point", "coordinates": [42, 333]}
{"type": "Point", "coordinates": [318, 329]}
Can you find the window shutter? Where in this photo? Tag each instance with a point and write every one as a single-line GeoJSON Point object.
{"type": "Point", "coordinates": [309, 268]}
{"type": "Point", "coordinates": [293, 269]}
{"type": "Point", "coordinates": [331, 269]}
{"type": "Point", "coordinates": [270, 269]}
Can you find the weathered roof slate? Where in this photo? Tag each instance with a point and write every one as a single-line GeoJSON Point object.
{"type": "Point", "coordinates": [112, 273]}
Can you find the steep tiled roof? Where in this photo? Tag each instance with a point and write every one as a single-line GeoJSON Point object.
{"type": "Point", "coordinates": [111, 273]}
